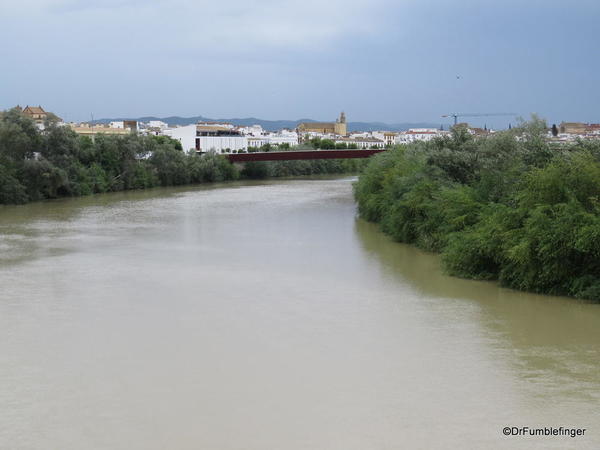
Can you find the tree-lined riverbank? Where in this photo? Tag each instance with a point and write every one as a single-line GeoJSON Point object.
{"type": "Point", "coordinates": [509, 207]}
{"type": "Point", "coordinates": [57, 162]}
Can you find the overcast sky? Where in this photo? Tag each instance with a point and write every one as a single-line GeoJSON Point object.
{"type": "Point", "coordinates": [378, 60]}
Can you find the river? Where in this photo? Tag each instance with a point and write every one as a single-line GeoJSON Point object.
{"type": "Point", "coordinates": [266, 315]}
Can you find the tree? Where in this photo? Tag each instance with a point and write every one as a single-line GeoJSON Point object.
{"type": "Point", "coordinates": [327, 144]}
{"type": "Point", "coordinates": [61, 146]}
{"type": "Point", "coordinates": [19, 137]}
{"type": "Point", "coordinates": [168, 140]}
{"type": "Point", "coordinates": [256, 170]}
{"type": "Point", "coordinates": [11, 190]}
{"type": "Point", "coordinates": [554, 130]}
{"type": "Point", "coordinates": [170, 166]}
{"type": "Point", "coordinates": [44, 180]}
{"type": "Point", "coordinates": [316, 143]}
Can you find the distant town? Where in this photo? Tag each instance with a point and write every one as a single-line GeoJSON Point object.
{"type": "Point", "coordinates": [225, 137]}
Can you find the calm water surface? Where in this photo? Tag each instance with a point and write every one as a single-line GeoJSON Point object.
{"type": "Point", "coordinates": [267, 316]}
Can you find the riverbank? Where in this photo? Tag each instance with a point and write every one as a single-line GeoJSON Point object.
{"type": "Point", "coordinates": [58, 163]}
{"type": "Point", "coordinates": [219, 170]}
{"type": "Point", "coordinates": [508, 207]}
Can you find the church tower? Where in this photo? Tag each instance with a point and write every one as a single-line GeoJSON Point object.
{"type": "Point", "coordinates": [340, 125]}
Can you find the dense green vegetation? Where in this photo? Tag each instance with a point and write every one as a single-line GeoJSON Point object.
{"type": "Point", "coordinates": [509, 207]}
{"type": "Point", "coordinates": [267, 169]}
{"type": "Point", "coordinates": [57, 162]}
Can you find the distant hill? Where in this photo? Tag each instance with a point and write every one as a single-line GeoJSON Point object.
{"type": "Point", "coordinates": [274, 125]}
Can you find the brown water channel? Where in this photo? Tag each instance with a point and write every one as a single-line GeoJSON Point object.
{"type": "Point", "coordinates": [266, 315]}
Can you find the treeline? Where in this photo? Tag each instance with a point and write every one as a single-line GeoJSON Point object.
{"type": "Point", "coordinates": [268, 169]}
{"type": "Point", "coordinates": [509, 207]}
{"type": "Point", "coordinates": [57, 162]}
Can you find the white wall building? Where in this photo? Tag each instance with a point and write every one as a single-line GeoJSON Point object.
{"type": "Point", "coordinates": [419, 134]}
{"type": "Point", "coordinates": [252, 130]}
{"type": "Point", "coordinates": [388, 137]}
{"type": "Point", "coordinates": [360, 135]}
{"type": "Point", "coordinates": [362, 142]}
{"type": "Point", "coordinates": [207, 137]}
{"type": "Point", "coordinates": [308, 135]}
{"type": "Point", "coordinates": [257, 141]}
{"type": "Point", "coordinates": [284, 137]}
{"type": "Point", "coordinates": [157, 124]}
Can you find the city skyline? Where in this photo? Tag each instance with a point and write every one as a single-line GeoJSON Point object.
{"type": "Point", "coordinates": [378, 61]}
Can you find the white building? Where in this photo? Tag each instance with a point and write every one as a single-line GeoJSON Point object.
{"type": "Point", "coordinates": [419, 134]}
{"type": "Point", "coordinates": [388, 137]}
{"type": "Point", "coordinates": [361, 142]}
{"type": "Point", "coordinates": [257, 141]}
{"type": "Point", "coordinates": [360, 135]}
{"type": "Point", "coordinates": [284, 137]}
{"type": "Point", "coordinates": [308, 135]}
{"type": "Point", "coordinates": [117, 124]}
{"type": "Point", "coordinates": [208, 137]}
{"type": "Point", "coordinates": [157, 124]}
{"type": "Point", "coordinates": [252, 130]}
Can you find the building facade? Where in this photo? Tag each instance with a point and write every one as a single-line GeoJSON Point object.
{"type": "Point", "coordinates": [418, 134]}
{"type": "Point", "coordinates": [39, 116]}
{"type": "Point", "coordinates": [36, 113]}
{"type": "Point", "coordinates": [578, 128]}
{"type": "Point", "coordinates": [208, 137]}
{"type": "Point", "coordinates": [361, 142]}
{"type": "Point", "coordinates": [86, 129]}
{"type": "Point", "coordinates": [388, 137]}
{"type": "Point", "coordinates": [284, 137]}
{"type": "Point", "coordinates": [338, 127]}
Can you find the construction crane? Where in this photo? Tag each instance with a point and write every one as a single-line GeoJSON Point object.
{"type": "Point", "coordinates": [457, 115]}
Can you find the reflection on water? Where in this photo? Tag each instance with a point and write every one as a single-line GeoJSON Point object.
{"type": "Point", "coordinates": [554, 342]}
{"type": "Point", "coordinates": [266, 315]}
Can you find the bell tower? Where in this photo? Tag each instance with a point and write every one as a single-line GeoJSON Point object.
{"type": "Point", "coordinates": [340, 125]}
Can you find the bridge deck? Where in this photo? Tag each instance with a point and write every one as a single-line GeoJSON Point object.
{"type": "Point", "coordinates": [302, 154]}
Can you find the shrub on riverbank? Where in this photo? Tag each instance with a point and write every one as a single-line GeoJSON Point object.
{"type": "Point", "coordinates": [510, 207]}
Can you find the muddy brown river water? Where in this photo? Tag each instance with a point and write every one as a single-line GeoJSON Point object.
{"type": "Point", "coordinates": [266, 315]}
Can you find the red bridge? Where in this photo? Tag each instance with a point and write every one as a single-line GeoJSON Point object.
{"type": "Point", "coordinates": [302, 154]}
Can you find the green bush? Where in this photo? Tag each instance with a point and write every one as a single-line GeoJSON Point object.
{"type": "Point", "coordinates": [509, 207]}
{"type": "Point", "coordinates": [11, 190]}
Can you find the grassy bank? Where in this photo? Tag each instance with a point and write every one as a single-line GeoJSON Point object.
{"type": "Point", "coordinates": [509, 207]}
